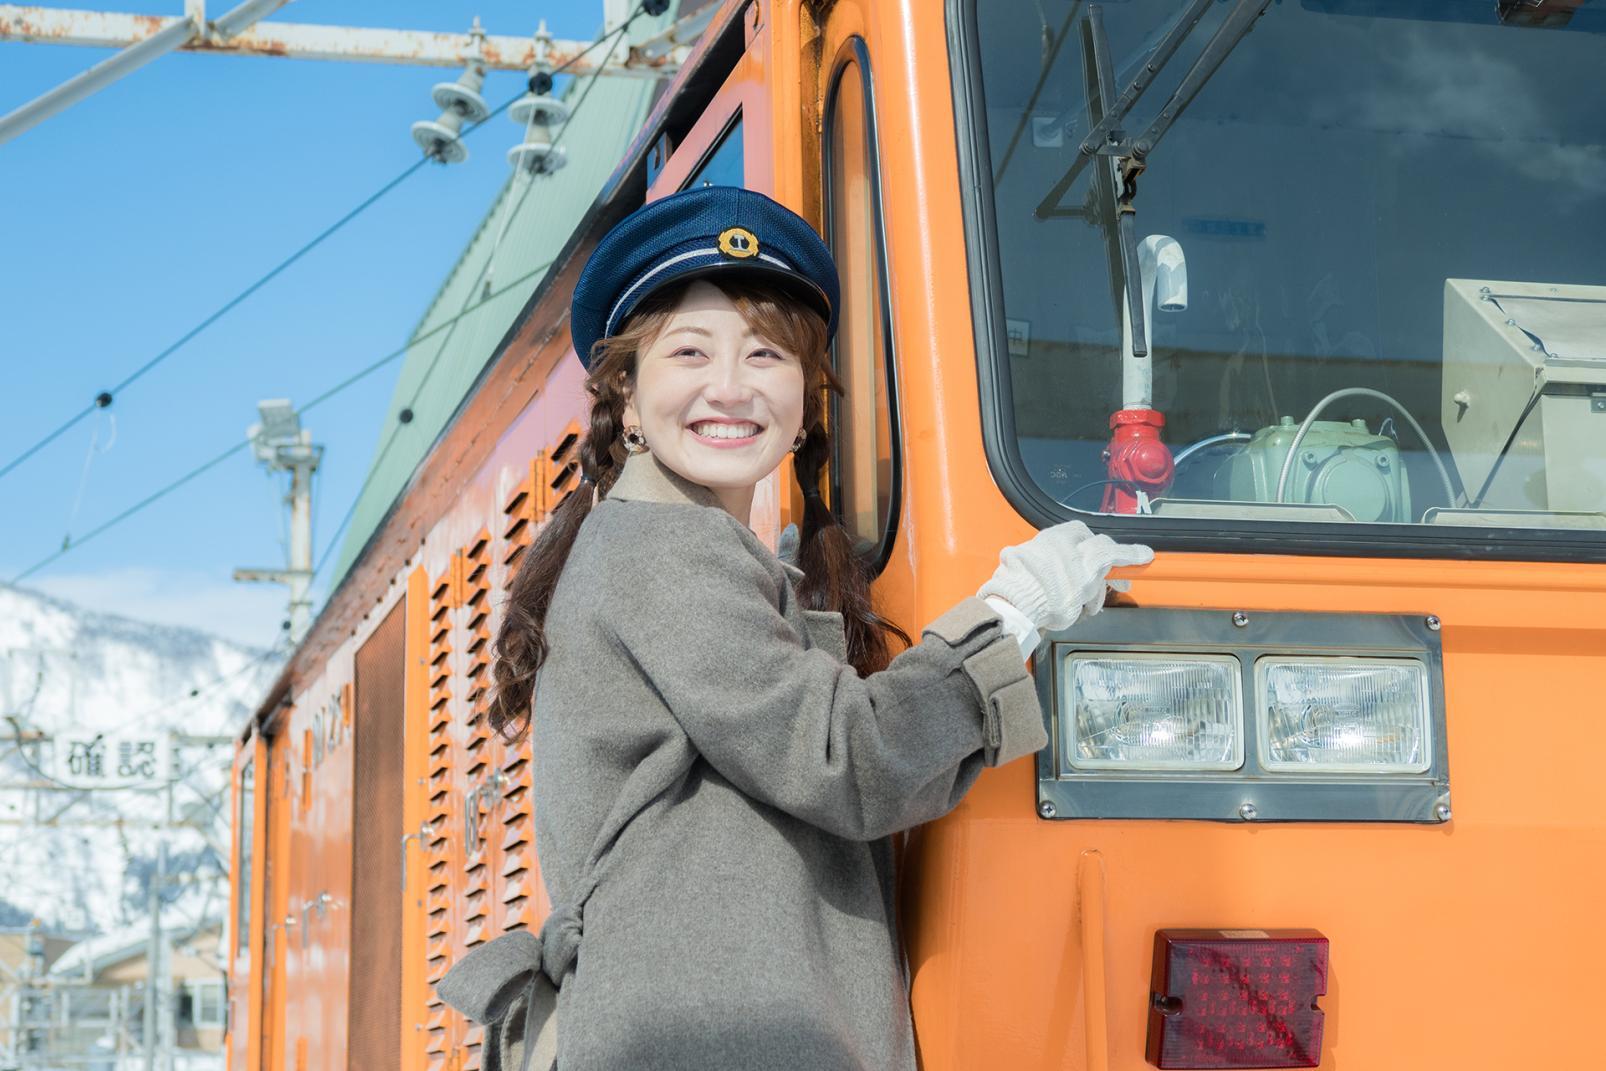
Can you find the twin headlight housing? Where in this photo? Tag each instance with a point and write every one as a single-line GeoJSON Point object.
{"type": "Point", "coordinates": [1267, 716]}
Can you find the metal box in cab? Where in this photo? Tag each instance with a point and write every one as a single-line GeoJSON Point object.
{"type": "Point", "coordinates": [1524, 393]}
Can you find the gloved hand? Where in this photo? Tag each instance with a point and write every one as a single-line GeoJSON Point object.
{"type": "Point", "coordinates": [1057, 577]}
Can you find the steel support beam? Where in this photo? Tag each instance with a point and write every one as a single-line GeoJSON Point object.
{"type": "Point", "coordinates": [173, 34]}
{"type": "Point", "coordinates": [61, 26]}
{"type": "Point", "coordinates": [244, 16]}
{"type": "Point", "coordinates": [102, 74]}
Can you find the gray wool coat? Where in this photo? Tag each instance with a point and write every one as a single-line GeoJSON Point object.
{"type": "Point", "coordinates": [715, 788]}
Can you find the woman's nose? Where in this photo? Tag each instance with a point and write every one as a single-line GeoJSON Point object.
{"type": "Point", "coordinates": [727, 383]}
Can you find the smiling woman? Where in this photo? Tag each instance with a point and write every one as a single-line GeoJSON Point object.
{"type": "Point", "coordinates": [720, 393]}
{"type": "Point", "coordinates": [720, 748]}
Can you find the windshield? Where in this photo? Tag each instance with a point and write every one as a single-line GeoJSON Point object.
{"type": "Point", "coordinates": [1366, 261]}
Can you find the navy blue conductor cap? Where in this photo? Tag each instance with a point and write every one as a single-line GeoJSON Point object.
{"type": "Point", "coordinates": [698, 233]}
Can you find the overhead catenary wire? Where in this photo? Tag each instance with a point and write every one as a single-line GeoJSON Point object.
{"type": "Point", "coordinates": [105, 398]}
{"type": "Point", "coordinates": [219, 458]}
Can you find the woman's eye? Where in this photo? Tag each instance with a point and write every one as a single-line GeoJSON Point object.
{"type": "Point", "coordinates": [688, 351]}
{"type": "Point", "coordinates": [769, 354]}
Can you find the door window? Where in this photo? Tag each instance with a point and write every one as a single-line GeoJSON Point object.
{"type": "Point", "coordinates": [865, 466]}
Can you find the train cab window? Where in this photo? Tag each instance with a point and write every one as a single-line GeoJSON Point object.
{"type": "Point", "coordinates": [723, 164]}
{"type": "Point", "coordinates": [865, 469]}
{"type": "Point", "coordinates": [1364, 261]}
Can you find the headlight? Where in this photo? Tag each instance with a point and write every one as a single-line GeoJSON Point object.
{"type": "Point", "coordinates": [1152, 712]}
{"type": "Point", "coordinates": [1343, 714]}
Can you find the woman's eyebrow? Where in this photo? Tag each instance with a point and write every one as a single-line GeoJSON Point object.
{"type": "Point", "coordinates": [693, 328]}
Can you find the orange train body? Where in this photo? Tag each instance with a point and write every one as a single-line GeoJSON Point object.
{"type": "Point", "coordinates": [1465, 944]}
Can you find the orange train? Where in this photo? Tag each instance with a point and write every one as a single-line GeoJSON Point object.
{"type": "Point", "coordinates": [1304, 295]}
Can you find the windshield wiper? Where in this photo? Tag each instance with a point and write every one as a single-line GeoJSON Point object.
{"type": "Point", "coordinates": [1107, 139]}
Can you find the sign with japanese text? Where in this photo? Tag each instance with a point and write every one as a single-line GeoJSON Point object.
{"type": "Point", "coordinates": [108, 760]}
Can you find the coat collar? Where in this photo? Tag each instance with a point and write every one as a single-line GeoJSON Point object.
{"type": "Point", "coordinates": [646, 479]}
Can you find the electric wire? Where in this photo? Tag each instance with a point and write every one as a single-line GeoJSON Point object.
{"type": "Point", "coordinates": [218, 459]}
{"type": "Point", "coordinates": [105, 398]}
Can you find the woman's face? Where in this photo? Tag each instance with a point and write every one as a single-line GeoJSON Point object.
{"type": "Point", "coordinates": [718, 404]}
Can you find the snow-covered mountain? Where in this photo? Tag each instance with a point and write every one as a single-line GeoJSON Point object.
{"type": "Point", "coordinates": [81, 860]}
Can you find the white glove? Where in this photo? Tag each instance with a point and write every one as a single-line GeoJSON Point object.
{"type": "Point", "coordinates": [1056, 578]}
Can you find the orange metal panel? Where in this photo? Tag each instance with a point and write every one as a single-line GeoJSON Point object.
{"type": "Point", "coordinates": [318, 918]}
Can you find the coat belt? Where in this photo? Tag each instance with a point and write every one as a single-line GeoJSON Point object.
{"type": "Point", "coordinates": [510, 986]}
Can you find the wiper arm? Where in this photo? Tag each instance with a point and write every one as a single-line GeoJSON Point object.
{"type": "Point", "coordinates": [1156, 62]}
{"type": "Point", "coordinates": [1126, 241]}
{"type": "Point", "coordinates": [1106, 138]}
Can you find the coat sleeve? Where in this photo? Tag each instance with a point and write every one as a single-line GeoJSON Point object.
{"type": "Point", "coordinates": [698, 614]}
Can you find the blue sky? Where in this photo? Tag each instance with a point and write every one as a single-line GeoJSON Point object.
{"type": "Point", "coordinates": [133, 215]}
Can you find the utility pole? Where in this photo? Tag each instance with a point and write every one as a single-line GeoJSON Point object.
{"type": "Point", "coordinates": [283, 445]}
{"type": "Point", "coordinates": [154, 987]}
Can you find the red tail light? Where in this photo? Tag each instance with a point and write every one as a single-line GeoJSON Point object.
{"type": "Point", "coordinates": [1237, 998]}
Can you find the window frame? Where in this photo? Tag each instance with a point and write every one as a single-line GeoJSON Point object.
{"type": "Point", "coordinates": [855, 51]}
{"type": "Point", "coordinates": [1002, 447]}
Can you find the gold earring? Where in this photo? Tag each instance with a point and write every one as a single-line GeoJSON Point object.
{"type": "Point", "coordinates": [802, 437]}
{"type": "Point", "coordinates": [635, 442]}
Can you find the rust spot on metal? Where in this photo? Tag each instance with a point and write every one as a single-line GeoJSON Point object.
{"type": "Point", "coordinates": [239, 47]}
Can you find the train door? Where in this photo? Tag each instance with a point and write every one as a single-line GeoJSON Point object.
{"type": "Point", "coordinates": [374, 1003]}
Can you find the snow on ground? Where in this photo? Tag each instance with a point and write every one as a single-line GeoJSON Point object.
{"type": "Point", "coordinates": [66, 668]}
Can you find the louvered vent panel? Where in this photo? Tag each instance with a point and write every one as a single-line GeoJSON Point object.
{"type": "Point", "coordinates": [482, 856]}
{"type": "Point", "coordinates": [519, 899]}
{"type": "Point", "coordinates": [443, 1028]}
{"type": "Point", "coordinates": [563, 466]}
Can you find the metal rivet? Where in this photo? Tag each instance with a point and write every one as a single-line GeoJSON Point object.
{"type": "Point", "coordinates": [1433, 623]}
{"type": "Point", "coordinates": [1240, 618]}
{"type": "Point", "coordinates": [1247, 812]}
{"type": "Point", "coordinates": [1442, 812]}
{"type": "Point", "coordinates": [1046, 809]}
{"type": "Point", "coordinates": [1383, 462]}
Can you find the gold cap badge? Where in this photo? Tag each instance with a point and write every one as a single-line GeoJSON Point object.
{"type": "Point", "coordinates": [738, 242]}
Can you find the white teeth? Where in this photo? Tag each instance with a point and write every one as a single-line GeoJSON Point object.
{"type": "Point", "coordinates": [725, 431]}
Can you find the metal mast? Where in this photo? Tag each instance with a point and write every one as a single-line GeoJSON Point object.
{"type": "Point", "coordinates": [283, 445]}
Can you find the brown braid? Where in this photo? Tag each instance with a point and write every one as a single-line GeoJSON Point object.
{"type": "Point", "coordinates": [521, 643]}
{"type": "Point", "coordinates": [834, 577]}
